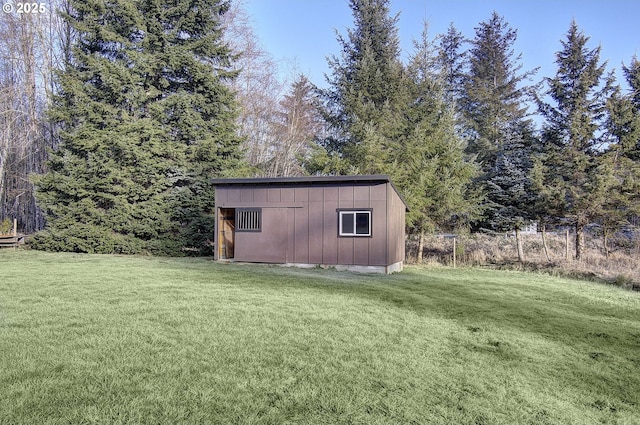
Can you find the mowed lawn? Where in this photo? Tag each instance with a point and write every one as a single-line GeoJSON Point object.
{"type": "Point", "coordinates": [109, 339]}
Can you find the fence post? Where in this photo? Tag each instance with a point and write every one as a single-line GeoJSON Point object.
{"type": "Point", "coordinates": [454, 252]}
{"type": "Point", "coordinates": [566, 245]}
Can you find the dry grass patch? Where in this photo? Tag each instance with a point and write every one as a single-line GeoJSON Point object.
{"type": "Point", "coordinates": [621, 267]}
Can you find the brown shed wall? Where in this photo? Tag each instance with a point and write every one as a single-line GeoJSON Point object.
{"type": "Point", "coordinates": [300, 224]}
{"type": "Point", "coordinates": [396, 226]}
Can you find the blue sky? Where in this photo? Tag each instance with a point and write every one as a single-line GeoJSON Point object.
{"type": "Point", "coordinates": [303, 32]}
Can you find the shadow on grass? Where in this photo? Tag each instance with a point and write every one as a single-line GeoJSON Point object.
{"type": "Point", "coordinates": [525, 302]}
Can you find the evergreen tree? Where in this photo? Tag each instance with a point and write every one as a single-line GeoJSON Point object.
{"type": "Point", "coordinates": [632, 74]}
{"type": "Point", "coordinates": [432, 170]}
{"type": "Point", "coordinates": [509, 187]}
{"type": "Point", "coordinates": [493, 99]}
{"type": "Point", "coordinates": [625, 125]}
{"type": "Point", "coordinates": [548, 196]}
{"type": "Point", "coordinates": [365, 101]}
{"type": "Point", "coordinates": [451, 60]}
{"type": "Point", "coordinates": [493, 108]}
{"type": "Point", "coordinates": [623, 154]}
{"type": "Point", "coordinates": [573, 155]}
{"type": "Point", "coordinates": [146, 121]}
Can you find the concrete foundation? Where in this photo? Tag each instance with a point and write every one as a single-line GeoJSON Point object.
{"type": "Point", "coordinates": [393, 268]}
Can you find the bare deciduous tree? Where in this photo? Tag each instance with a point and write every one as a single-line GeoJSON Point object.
{"type": "Point", "coordinates": [30, 50]}
{"type": "Point", "coordinates": [298, 128]}
{"type": "Point", "coordinates": [277, 128]}
{"type": "Point", "coordinates": [257, 88]}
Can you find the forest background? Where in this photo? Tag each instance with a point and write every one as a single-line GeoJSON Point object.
{"type": "Point", "coordinates": [116, 114]}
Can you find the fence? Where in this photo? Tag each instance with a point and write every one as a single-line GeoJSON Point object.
{"type": "Point", "coordinates": [483, 249]}
{"type": "Point", "coordinates": [12, 239]}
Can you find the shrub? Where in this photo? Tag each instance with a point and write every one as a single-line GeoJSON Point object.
{"type": "Point", "coordinates": [623, 280]}
{"type": "Point", "coordinates": [89, 239]}
{"type": "Point", "coordinates": [6, 227]}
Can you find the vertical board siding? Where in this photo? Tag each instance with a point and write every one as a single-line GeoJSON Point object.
{"type": "Point", "coordinates": [307, 233]}
{"type": "Point", "coordinates": [361, 251]}
{"type": "Point", "coordinates": [246, 194]}
{"type": "Point", "coordinates": [361, 196]}
{"type": "Point", "coordinates": [233, 194]}
{"type": "Point", "coordinates": [268, 246]}
{"type": "Point", "coordinates": [316, 225]}
{"type": "Point", "coordinates": [330, 233]}
{"type": "Point", "coordinates": [287, 194]}
{"type": "Point", "coordinates": [291, 232]}
{"type": "Point", "coordinates": [378, 246]}
{"type": "Point", "coordinates": [345, 245]}
{"type": "Point", "coordinates": [260, 195]}
{"type": "Point", "coordinates": [345, 197]}
{"type": "Point", "coordinates": [301, 227]}
{"type": "Point", "coordinates": [301, 235]}
{"type": "Point", "coordinates": [273, 195]}
{"type": "Point", "coordinates": [396, 223]}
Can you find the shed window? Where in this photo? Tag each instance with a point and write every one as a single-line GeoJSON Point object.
{"type": "Point", "coordinates": [249, 220]}
{"type": "Point", "coordinates": [355, 223]}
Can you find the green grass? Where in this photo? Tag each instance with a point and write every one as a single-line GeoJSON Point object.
{"type": "Point", "coordinates": [108, 339]}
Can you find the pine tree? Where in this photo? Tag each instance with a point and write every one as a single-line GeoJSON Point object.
{"type": "Point", "coordinates": [625, 125]}
{"type": "Point", "coordinates": [432, 172]}
{"type": "Point", "coordinates": [509, 188]}
{"type": "Point", "coordinates": [146, 122]}
{"type": "Point", "coordinates": [493, 108]}
{"type": "Point", "coordinates": [632, 74]}
{"type": "Point", "coordinates": [623, 154]}
{"type": "Point", "coordinates": [573, 155]}
{"type": "Point", "coordinates": [548, 196]}
{"type": "Point", "coordinates": [493, 100]}
{"type": "Point", "coordinates": [451, 60]}
{"type": "Point", "coordinates": [366, 98]}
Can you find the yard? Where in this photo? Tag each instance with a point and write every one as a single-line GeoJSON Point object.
{"type": "Point", "coordinates": [109, 339]}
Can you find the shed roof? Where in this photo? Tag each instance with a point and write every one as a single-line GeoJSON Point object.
{"type": "Point", "coordinates": [309, 180]}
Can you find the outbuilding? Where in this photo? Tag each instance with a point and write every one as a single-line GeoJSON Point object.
{"type": "Point", "coordinates": [348, 222]}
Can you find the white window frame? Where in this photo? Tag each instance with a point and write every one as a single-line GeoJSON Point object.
{"type": "Point", "coordinates": [341, 213]}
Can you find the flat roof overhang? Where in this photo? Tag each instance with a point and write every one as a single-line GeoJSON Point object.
{"type": "Point", "coordinates": [302, 180]}
{"type": "Point", "coordinates": [309, 181]}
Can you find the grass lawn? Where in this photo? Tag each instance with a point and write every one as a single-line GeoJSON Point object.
{"type": "Point", "coordinates": [108, 339]}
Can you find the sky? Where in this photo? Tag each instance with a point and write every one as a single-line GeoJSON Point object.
{"type": "Point", "coordinates": [301, 34]}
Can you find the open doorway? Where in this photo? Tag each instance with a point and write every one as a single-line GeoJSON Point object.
{"type": "Point", "coordinates": [226, 233]}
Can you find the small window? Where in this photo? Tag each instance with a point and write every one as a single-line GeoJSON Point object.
{"type": "Point", "coordinates": [249, 220]}
{"type": "Point", "coordinates": [355, 223]}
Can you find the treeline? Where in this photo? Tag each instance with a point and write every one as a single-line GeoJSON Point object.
{"type": "Point", "coordinates": [456, 128]}
{"type": "Point", "coordinates": [118, 117]}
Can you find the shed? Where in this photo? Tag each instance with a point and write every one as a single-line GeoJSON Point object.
{"type": "Point", "coordinates": [349, 222]}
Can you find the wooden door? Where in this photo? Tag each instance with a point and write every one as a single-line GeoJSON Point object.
{"type": "Point", "coordinates": [226, 234]}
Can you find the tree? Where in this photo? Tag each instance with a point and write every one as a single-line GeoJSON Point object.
{"type": "Point", "coordinates": [548, 197]}
{"type": "Point", "coordinates": [30, 50]}
{"type": "Point", "coordinates": [432, 170]}
{"type": "Point", "coordinates": [625, 113]}
{"type": "Point", "coordinates": [451, 60]}
{"type": "Point", "coordinates": [146, 121]}
{"type": "Point", "coordinates": [366, 98]}
{"type": "Point", "coordinates": [623, 154]}
{"type": "Point", "coordinates": [510, 189]}
{"type": "Point", "coordinates": [494, 94]}
{"type": "Point", "coordinates": [493, 109]}
{"type": "Point", "coordinates": [258, 92]}
{"type": "Point", "coordinates": [299, 126]}
{"type": "Point", "coordinates": [573, 143]}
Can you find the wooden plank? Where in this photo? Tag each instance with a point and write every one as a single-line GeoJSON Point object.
{"type": "Point", "coordinates": [11, 241]}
